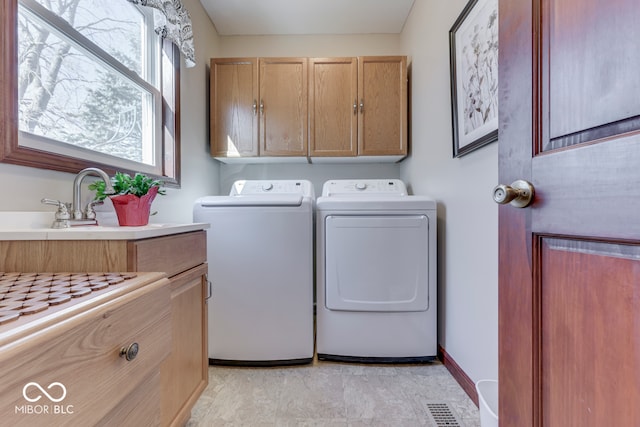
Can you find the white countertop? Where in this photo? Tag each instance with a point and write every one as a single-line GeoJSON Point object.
{"type": "Point", "coordinates": [37, 226]}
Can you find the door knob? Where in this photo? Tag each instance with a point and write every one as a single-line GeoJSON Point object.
{"type": "Point", "coordinates": [519, 194]}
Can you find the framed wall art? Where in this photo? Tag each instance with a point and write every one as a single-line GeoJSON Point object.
{"type": "Point", "coordinates": [473, 49]}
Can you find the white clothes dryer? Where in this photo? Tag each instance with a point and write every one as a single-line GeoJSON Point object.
{"type": "Point", "coordinates": [375, 273]}
{"type": "Point", "coordinates": [260, 256]}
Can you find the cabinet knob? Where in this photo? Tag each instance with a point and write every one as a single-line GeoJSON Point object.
{"type": "Point", "coordinates": [355, 106]}
{"type": "Point", "coordinates": [361, 105]}
{"type": "Point", "coordinates": [130, 352]}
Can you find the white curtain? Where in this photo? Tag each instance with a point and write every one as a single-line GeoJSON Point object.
{"type": "Point", "coordinates": [172, 21]}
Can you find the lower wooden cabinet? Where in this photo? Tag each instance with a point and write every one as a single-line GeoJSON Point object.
{"type": "Point", "coordinates": [182, 257]}
{"type": "Point", "coordinates": [63, 366]}
{"type": "Point", "coordinates": [184, 374]}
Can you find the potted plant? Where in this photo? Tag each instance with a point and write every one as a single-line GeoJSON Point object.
{"type": "Point", "coordinates": [133, 197]}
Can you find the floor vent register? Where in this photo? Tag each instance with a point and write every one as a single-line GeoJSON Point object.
{"type": "Point", "coordinates": [441, 415]}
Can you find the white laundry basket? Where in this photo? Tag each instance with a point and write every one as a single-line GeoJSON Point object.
{"type": "Point", "coordinates": [488, 397]}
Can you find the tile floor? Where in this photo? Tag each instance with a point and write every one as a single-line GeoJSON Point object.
{"type": "Point", "coordinates": [330, 394]}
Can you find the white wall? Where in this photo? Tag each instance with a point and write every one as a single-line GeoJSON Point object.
{"type": "Point", "coordinates": [308, 46]}
{"type": "Point", "coordinates": [311, 45]}
{"type": "Point", "coordinates": [23, 187]}
{"type": "Point", "coordinates": [468, 218]}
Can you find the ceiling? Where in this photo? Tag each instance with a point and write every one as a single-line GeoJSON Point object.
{"type": "Point", "coordinates": [286, 17]}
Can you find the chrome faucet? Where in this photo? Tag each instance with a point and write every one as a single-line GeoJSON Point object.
{"type": "Point", "coordinates": [77, 213]}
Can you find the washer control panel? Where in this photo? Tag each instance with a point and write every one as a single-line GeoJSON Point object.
{"type": "Point", "coordinates": [259, 187]}
{"type": "Point", "coordinates": [370, 187]}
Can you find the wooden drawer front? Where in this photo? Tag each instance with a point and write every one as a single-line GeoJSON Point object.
{"type": "Point", "coordinates": [170, 254]}
{"type": "Point", "coordinates": [139, 408]}
{"type": "Point", "coordinates": [83, 354]}
{"type": "Point", "coordinates": [63, 255]}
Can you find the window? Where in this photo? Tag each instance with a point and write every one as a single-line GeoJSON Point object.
{"type": "Point", "coordinates": [92, 84]}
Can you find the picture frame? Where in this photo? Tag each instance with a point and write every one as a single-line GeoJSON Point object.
{"type": "Point", "coordinates": [473, 53]}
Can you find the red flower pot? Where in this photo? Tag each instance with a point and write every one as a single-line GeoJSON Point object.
{"type": "Point", "coordinates": [133, 210]}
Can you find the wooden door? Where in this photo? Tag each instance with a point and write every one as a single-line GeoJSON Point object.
{"type": "Point", "coordinates": [382, 97]}
{"type": "Point", "coordinates": [569, 299]}
{"type": "Point", "coordinates": [333, 110]}
{"type": "Point", "coordinates": [283, 107]}
{"type": "Point", "coordinates": [234, 107]}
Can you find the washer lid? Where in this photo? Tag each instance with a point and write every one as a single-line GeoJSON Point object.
{"type": "Point", "coordinates": [239, 201]}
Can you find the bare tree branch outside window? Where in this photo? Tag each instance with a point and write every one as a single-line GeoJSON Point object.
{"type": "Point", "coordinates": [67, 94]}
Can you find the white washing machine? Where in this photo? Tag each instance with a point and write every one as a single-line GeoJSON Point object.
{"type": "Point", "coordinates": [376, 273]}
{"type": "Point", "coordinates": [260, 256]}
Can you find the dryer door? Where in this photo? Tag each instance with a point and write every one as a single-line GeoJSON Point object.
{"type": "Point", "coordinates": [377, 262]}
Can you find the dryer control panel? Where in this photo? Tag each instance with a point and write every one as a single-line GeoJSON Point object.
{"type": "Point", "coordinates": [369, 187]}
{"type": "Point", "coordinates": [259, 187]}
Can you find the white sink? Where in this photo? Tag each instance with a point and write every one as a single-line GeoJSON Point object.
{"type": "Point", "coordinates": [37, 226]}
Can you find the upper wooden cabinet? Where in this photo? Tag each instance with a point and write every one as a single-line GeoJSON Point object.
{"type": "Point", "coordinates": [358, 106]}
{"type": "Point", "coordinates": [283, 107]}
{"type": "Point", "coordinates": [321, 108]}
{"type": "Point", "coordinates": [258, 107]}
{"type": "Point", "coordinates": [382, 94]}
{"type": "Point", "coordinates": [234, 107]}
{"type": "Point", "coordinates": [333, 107]}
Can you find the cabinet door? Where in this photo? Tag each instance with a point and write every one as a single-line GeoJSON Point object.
{"type": "Point", "coordinates": [283, 107]}
{"type": "Point", "coordinates": [333, 118]}
{"type": "Point", "coordinates": [234, 107]}
{"type": "Point", "coordinates": [382, 93]}
{"type": "Point", "coordinates": [184, 374]}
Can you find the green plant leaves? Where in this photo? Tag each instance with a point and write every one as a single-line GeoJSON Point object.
{"type": "Point", "coordinates": [123, 183]}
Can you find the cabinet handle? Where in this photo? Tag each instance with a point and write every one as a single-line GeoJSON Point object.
{"type": "Point", "coordinates": [361, 105]}
{"type": "Point", "coordinates": [209, 288]}
{"type": "Point", "coordinates": [130, 352]}
{"type": "Point", "coordinates": [355, 106]}
{"type": "Point", "coordinates": [255, 107]}
{"type": "Point", "coordinates": [261, 107]}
